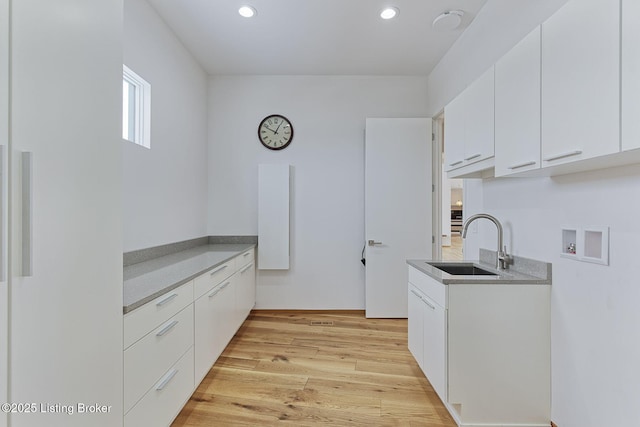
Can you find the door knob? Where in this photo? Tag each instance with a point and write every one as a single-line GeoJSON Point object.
{"type": "Point", "coordinates": [373, 243]}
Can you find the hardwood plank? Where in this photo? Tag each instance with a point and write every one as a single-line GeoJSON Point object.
{"type": "Point", "coordinates": [280, 369]}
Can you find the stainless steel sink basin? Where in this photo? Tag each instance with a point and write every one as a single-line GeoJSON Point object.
{"type": "Point", "coordinates": [461, 269]}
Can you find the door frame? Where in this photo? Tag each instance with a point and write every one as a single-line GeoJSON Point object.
{"type": "Point", "coordinates": [436, 180]}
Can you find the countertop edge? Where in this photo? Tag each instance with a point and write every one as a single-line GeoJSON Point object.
{"type": "Point", "coordinates": [510, 278]}
{"type": "Point", "coordinates": [139, 303]}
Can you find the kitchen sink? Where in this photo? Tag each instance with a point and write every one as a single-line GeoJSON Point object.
{"type": "Point", "coordinates": [461, 269]}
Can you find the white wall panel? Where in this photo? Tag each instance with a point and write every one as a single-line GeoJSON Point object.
{"type": "Point", "coordinates": [273, 216]}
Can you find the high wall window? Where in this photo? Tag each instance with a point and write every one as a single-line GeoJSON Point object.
{"type": "Point", "coordinates": [136, 108]}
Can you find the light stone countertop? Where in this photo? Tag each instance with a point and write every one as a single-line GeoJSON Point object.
{"type": "Point", "coordinates": [523, 271]}
{"type": "Point", "coordinates": [150, 279]}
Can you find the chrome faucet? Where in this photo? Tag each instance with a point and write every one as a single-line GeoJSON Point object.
{"type": "Point", "coordinates": [503, 258]}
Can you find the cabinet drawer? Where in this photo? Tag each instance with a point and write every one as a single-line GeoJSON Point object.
{"type": "Point", "coordinates": [433, 289]}
{"type": "Point", "coordinates": [245, 258]}
{"type": "Point", "coordinates": [147, 359]}
{"type": "Point", "coordinates": [140, 321]}
{"type": "Point", "coordinates": [162, 403]}
{"type": "Point", "coordinates": [208, 280]}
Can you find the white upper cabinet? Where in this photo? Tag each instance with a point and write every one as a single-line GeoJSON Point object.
{"type": "Point", "coordinates": [630, 75]}
{"type": "Point", "coordinates": [469, 126]}
{"type": "Point", "coordinates": [581, 81]}
{"type": "Point", "coordinates": [454, 133]}
{"type": "Point", "coordinates": [479, 125]}
{"type": "Point", "coordinates": [517, 108]}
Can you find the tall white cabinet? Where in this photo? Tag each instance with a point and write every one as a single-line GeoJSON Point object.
{"type": "Point", "coordinates": [61, 305]}
{"type": "Point", "coordinates": [630, 72]}
{"type": "Point", "coordinates": [581, 81]}
{"type": "Point", "coordinates": [517, 107]}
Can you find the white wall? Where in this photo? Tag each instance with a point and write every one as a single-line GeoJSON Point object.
{"type": "Point", "coordinates": [595, 350]}
{"type": "Point", "coordinates": [165, 188]}
{"type": "Point", "coordinates": [327, 157]}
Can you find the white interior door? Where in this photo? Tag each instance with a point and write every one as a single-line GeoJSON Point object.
{"type": "Point", "coordinates": [398, 213]}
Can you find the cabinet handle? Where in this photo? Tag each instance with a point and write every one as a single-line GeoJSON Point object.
{"type": "Point", "coordinates": [455, 163]}
{"type": "Point", "coordinates": [3, 180]}
{"type": "Point", "coordinates": [165, 380]}
{"type": "Point", "coordinates": [475, 156]}
{"type": "Point", "coordinates": [246, 268]}
{"type": "Point", "coordinates": [416, 294]}
{"type": "Point", "coordinates": [214, 293]}
{"type": "Point", "coordinates": [27, 214]}
{"type": "Point", "coordinates": [166, 300]}
{"type": "Point", "coordinates": [563, 155]}
{"type": "Point", "coordinates": [217, 270]}
{"type": "Point", "coordinates": [431, 306]}
{"type": "Point", "coordinates": [247, 253]}
{"type": "Point", "coordinates": [225, 285]}
{"type": "Point", "coordinates": [167, 328]}
{"type": "Point", "coordinates": [521, 165]}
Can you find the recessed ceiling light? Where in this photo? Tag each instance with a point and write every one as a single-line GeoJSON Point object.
{"type": "Point", "coordinates": [448, 21]}
{"type": "Point", "coordinates": [389, 12]}
{"type": "Point", "coordinates": [247, 11]}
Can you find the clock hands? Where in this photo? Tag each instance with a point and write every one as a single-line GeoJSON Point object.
{"type": "Point", "coordinates": [278, 128]}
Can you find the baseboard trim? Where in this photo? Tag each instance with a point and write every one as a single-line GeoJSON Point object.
{"type": "Point", "coordinates": [298, 311]}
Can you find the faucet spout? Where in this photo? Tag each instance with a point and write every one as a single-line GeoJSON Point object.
{"type": "Point", "coordinates": [503, 258]}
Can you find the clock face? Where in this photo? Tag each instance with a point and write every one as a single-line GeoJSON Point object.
{"type": "Point", "coordinates": [275, 132]}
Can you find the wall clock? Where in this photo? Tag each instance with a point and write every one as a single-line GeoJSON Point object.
{"type": "Point", "coordinates": [275, 132]}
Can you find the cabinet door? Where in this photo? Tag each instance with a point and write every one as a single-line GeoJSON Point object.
{"type": "Point", "coordinates": [479, 119]}
{"type": "Point", "coordinates": [434, 347]}
{"type": "Point", "coordinates": [517, 135]}
{"type": "Point", "coordinates": [580, 81]}
{"type": "Point", "coordinates": [66, 294]}
{"type": "Point", "coordinates": [416, 327]}
{"type": "Point", "coordinates": [209, 329]}
{"type": "Point", "coordinates": [246, 291]}
{"type": "Point", "coordinates": [454, 122]}
{"type": "Point", "coordinates": [630, 75]}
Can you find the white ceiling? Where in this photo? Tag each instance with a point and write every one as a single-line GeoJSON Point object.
{"type": "Point", "coordinates": [314, 37]}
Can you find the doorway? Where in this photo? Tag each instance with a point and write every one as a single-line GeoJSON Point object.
{"type": "Point", "coordinates": [449, 203]}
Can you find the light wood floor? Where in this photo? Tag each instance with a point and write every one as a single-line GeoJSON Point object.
{"type": "Point", "coordinates": [453, 252]}
{"type": "Point", "coordinates": [279, 369]}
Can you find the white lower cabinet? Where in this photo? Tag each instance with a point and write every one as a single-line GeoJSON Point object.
{"type": "Point", "coordinates": [148, 359]}
{"type": "Point", "coordinates": [427, 337]}
{"type": "Point", "coordinates": [171, 342]}
{"type": "Point", "coordinates": [164, 401]}
{"type": "Point", "coordinates": [485, 349]}
{"type": "Point", "coordinates": [212, 330]}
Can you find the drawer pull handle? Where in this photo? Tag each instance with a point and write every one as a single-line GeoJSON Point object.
{"type": "Point", "coordinates": [431, 306]}
{"type": "Point", "coordinates": [563, 155]}
{"type": "Point", "coordinates": [218, 289]}
{"type": "Point", "coordinates": [166, 300]}
{"type": "Point", "coordinates": [246, 268]}
{"type": "Point", "coordinates": [165, 380]}
{"type": "Point", "coordinates": [521, 165]}
{"type": "Point", "coordinates": [416, 294]}
{"type": "Point", "coordinates": [247, 254]}
{"type": "Point", "coordinates": [219, 269]}
{"type": "Point", "coordinates": [167, 328]}
{"type": "Point", "coordinates": [475, 156]}
{"type": "Point", "coordinates": [455, 163]}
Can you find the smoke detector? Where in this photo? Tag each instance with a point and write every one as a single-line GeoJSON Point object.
{"type": "Point", "coordinates": [448, 21]}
